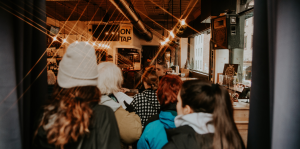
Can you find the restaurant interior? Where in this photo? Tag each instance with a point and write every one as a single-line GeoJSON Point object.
{"type": "Point", "coordinates": [247, 46]}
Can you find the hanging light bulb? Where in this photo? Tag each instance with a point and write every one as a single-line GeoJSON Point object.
{"type": "Point", "coordinates": [54, 38]}
{"type": "Point", "coordinates": [182, 22]}
{"type": "Point", "coordinates": [94, 44]}
{"type": "Point", "coordinates": [65, 40]}
{"type": "Point", "coordinates": [167, 40]}
{"type": "Point", "coordinates": [100, 45]}
{"type": "Point", "coordinates": [86, 42]}
{"type": "Point", "coordinates": [172, 34]}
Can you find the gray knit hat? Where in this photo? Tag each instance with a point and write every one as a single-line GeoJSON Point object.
{"type": "Point", "coordinates": [78, 66]}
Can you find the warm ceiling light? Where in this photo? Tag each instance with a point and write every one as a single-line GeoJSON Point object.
{"type": "Point", "coordinates": [94, 44]}
{"type": "Point", "coordinates": [54, 38]}
{"type": "Point", "coordinates": [182, 22]}
{"type": "Point", "coordinates": [167, 40]}
{"type": "Point", "coordinates": [100, 45]}
{"type": "Point", "coordinates": [65, 40]}
{"type": "Point", "coordinates": [76, 41]}
{"type": "Point", "coordinates": [163, 43]}
{"type": "Point", "coordinates": [113, 33]}
{"type": "Point", "coordinates": [106, 33]}
{"type": "Point", "coordinates": [172, 34]}
{"type": "Point", "coordinates": [86, 42]}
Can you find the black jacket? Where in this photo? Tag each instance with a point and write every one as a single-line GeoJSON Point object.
{"type": "Point", "coordinates": [184, 137]}
{"type": "Point", "coordinates": [104, 132]}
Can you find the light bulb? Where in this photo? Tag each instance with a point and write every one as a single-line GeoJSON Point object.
{"type": "Point", "coordinates": [106, 33]}
{"type": "Point", "coordinates": [86, 42]}
{"type": "Point", "coordinates": [65, 40]}
{"type": "Point", "coordinates": [162, 43]}
{"type": "Point", "coordinates": [100, 45]}
{"type": "Point", "coordinates": [76, 41]}
{"type": "Point", "coordinates": [113, 33]}
{"type": "Point", "coordinates": [94, 44]}
{"type": "Point", "coordinates": [182, 22]}
{"type": "Point", "coordinates": [54, 38]}
{"type": "Point", "coordinates": [172, 34]}
{"type": "Point", "coordinates": [167, 40]}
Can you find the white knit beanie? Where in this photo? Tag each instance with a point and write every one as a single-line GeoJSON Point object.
{"type": "Point", "coordinates": [78, 66]}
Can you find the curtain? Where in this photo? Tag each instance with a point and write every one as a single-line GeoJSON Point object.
{"type": "Point", "coordinates": [23, 83]}
{"type": "Point", "coordinates": [274, 115]}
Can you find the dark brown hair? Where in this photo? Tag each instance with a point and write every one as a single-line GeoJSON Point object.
{"type": "Point", "coordinates": [72, 110]}
{"type": "Point", "coordinates": [168, 89]}
{"type": "Point", "coordinates": [208, 98]}
{"type": "Point", "coordinates": [150, 77]}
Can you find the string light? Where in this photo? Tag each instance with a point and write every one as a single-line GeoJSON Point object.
{"type": "Point", "coordinates": [94, 44]}
{"type": "Point", "coordinates": [86, 42]}
{"type": "Point", "coordinates": [54, 38]}
{"type": "Point", "coordinates": [100, 45]}
{"type": "Point", "coordinates": [167, 40]}
{"type": "Point", "coordinates": [172, 34]}
{"type": "Point", "coordinates": [182, 22]}
{"type": "Point", "coordinates": [65, 40]}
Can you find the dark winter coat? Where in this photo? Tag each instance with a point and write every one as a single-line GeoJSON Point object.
{"type": "Point", "coordinates": [104, 132]}
{"type": "Point", "coordinates": [184, 137]}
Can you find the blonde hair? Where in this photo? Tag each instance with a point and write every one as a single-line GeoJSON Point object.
{"type": "Point", "coordinates": [110, 78]}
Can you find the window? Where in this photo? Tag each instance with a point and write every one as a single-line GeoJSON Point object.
{"type": "Point", "coordinates": [201, 52]}
{"type": "Point", "coordinates": [245, 43]}
{"type": "Point", "coordinates": [201, 39]}
{"type": "Point", "coordinates": [200, 65]}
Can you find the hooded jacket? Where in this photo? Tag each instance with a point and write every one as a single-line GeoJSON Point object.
{"type": "Point", "coordinates": [129, 124]}
{"type": "Point", "coordinates": [194, 131]}
{"type": "Point", "coordinates": [145, 104]}
{"type": "Point", "coordinates": [154, 135]}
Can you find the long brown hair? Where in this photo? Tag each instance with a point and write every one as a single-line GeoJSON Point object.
{"type": "Point", "coordinates": [150, 77]}
{"type": "Point", "coordinates": [68, 114]}
{"type": "Point", "coordinates": [212, 98]}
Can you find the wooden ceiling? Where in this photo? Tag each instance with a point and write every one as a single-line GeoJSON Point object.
{"type": "Point", "coordinates": [149, 10]}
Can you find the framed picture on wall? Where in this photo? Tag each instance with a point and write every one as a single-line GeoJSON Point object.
{"type": "Point", "coordinates": [230, 69]}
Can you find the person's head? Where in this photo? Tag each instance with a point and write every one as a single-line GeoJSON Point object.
{"type": "Point", "coordinates": [198, 96]}
{"type": "Point", "coordinates": [168, 89]}
{"type": "Point", "coordinates": [161, 68]}
{"type": "Point", "coordinates": [76, 88]}
{"type": "Point", "coordinates": [110, 78]}
{"type": "Point", "coordinates": [150, 79]}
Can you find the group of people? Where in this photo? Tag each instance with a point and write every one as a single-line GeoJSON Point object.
{"type": "Point", "coordinates": [88, 109]}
